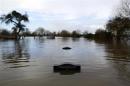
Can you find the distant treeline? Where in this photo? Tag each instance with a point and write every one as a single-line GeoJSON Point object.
{"type": "Point", "coordinates": [118, 26]}
{"type": "Point", "coordinates": [100, 33]}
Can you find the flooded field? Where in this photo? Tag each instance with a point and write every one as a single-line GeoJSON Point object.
{"type": "Point", "coordinates": [30, 62]}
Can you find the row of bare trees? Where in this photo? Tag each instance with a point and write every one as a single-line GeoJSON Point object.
{"type": "Point", "coordinates": [119, 25]}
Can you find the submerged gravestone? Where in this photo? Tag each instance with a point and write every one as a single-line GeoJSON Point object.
{"type": "Point", "coordinates": [66, 48]}
{"type": "Point", "coordinates": [67, 69]}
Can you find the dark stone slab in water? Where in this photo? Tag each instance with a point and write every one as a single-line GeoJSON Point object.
{"type": "Point", "coordinates": [67, 72]}
{"type": "Point", "coordinates": [66, 48]}
{"type": "Point", "coordinates": [67, 69]}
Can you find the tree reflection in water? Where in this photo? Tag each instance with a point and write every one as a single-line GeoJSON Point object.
{"type": "Point", "coordinates": [18, 54]}
{"type": "Point", "coordinates": [75, 39]}
{"type": "Point", "coordinates": [116, 49]}
{"type": "Point", "coordinates": [118, 56]}
{"type": "Point", "coordinates": [65, 39]}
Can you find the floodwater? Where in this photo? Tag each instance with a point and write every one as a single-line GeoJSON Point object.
{"type": "Point", "coordinates": [30, 62]}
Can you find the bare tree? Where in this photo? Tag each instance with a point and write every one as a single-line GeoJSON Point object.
{"type": "Point", "coordinates": [40, 31]}
{"type": "Point", "coordinates": [17, 19]}
{"type": "Point", "coordinates": [118, 25]}
{"type": "Point", "coordinates": [124, 9]}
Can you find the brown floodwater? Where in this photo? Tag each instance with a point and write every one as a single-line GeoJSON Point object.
{"type": "Point", "coordinates": [30, 62]}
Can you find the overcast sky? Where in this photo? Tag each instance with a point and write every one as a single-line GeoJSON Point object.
{"type": "Point", "coordinates": [55, 15]}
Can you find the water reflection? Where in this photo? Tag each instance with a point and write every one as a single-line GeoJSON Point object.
{"type": "Point", "coordinates": [40, 40]}
{"type": "Point", "coordinates": [116, 49]}
{"type": "Point", "coordinates": [65, 39]}
{"type": "Point", "coordinates": [104, 63]}
{"type": "Point", "coordinates": [67, 72]}
{"type": "Point", "coordinates": [118, 56]}
{"type": "Point", "coordinates": [75, 39]}
{"type": "Point", "coordinates": [18, 54]}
